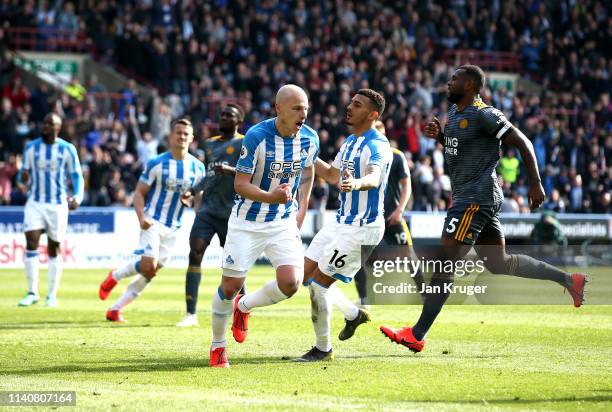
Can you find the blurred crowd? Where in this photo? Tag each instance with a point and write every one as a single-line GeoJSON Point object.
{"type": "Point", "coordinates": [189, 51]}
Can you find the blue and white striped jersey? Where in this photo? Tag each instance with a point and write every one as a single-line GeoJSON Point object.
{"type": "Point", "coordinates": [273, 160]}
{"type": "Point", "coordinates": [168, 178]}
{"type": "Point", "coordinates": [362, 207]}
{"type": "Point", "coordinates": [48, 165]}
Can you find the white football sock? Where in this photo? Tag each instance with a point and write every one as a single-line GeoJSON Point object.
{"type": "Point", "coordinates": [31, 270]}
{"type": "Point", "coordinates": [132, 292]}
{"type": "Point", "coordinates": [221, 311]}
{"type": "Point", "coordinates": [128, 270]}
{"type": "Point", "coordinates": [350, 310]}
{"type": "Point", "coordinates": [269, 294]}
{"type": "Point", "coordinates": [54, 276]}
{"type": "Point", "coordinates": [321, 315]}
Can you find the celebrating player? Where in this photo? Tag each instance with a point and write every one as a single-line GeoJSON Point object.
{"type": "Point", "coordinates": [363, 162]}
{"type": "Point", "coordinates": [471, 140]}
{"type": "Point", "coordinates": [217, 200]}
{"type": "Point", "coordinates": [277, 156]}
{"type": "Point", "coordinates": [46, 162]}
{"type": "Point", "coordinates": [159, 212]}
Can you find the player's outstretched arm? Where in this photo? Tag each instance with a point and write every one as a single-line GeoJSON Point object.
{"type": "Point", "coordinates": [142, 189]}
{"type": "Point", "coordinates": [243, 186]}
{"type": "Point", "coordinates": [304, 190]}
{"type": "Point", "coordinates": [369, 181]}
{"type": "Point", "coordinates": [328, 172]}
{"type": "Point", "coordinates": [515, 138]}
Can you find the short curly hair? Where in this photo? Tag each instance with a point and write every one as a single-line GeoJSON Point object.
{"type": "Point", "coordinates": [475, 73]}
{"type": "Point", "coordinates": [377, 100]}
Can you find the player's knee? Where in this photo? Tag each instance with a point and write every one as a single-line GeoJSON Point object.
{"type": "Point", "coordinates": [230, 290]}
{"type": "Point", "coordinates": [148, 269]}
{"type": "Point", "coordinates": [497, 266]}
{"type": "Point", "coordinates": [195, 257]}
{"type": "Point", "coordinates": [53, 248]}
{"type": "Point", "coordinates": [289, 288]}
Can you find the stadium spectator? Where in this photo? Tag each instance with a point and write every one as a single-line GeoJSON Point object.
{"type": "Point", "coordinates": [194, 52]}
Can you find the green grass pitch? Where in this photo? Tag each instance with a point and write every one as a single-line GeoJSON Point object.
{"type": "Point", "coordinates": [477, 357]}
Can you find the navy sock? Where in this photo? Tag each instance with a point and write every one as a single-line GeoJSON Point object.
{"type": "Point", "coordinates": [432, 306]}
{"type": "Point", "coordinates": [527, 267]}
{"type": "Point", "coordinates": [360, 284]}
{"type": "Point", "coordinates": [192, 285]}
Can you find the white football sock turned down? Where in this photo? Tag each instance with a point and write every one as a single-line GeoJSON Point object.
{"type": "Point", "coordinates": [132, 292]}
{"type": "Point", "coordinates": [31, 271]}
{"type": "Point", "coordinates": [221, 311]}
{"type": "Point", "coordinates": [128, 270]}
{"type": "Point", "coordinates": [55, 276]}
{"type": "Point", "coordinates": [343, 303]}
{"type": "Point", "coordinates": [269, 294]}
{"type": "Point", "coordinates": [321, 315]}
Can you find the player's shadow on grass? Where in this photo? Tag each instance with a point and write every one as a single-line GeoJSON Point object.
{"type": "Point", "coordinates": [518, 401]}
{"type": "Point", "coordinates": [140, 365]}
{"type": "Point", "coordinates": [57, 324]}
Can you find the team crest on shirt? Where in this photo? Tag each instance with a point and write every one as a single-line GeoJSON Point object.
{"type": "Point", "coordinates": [463, 124]}
{"type": "Point", "coordinates": [243, 152]}
{"type": "Point", "coordinates": [229, 150]}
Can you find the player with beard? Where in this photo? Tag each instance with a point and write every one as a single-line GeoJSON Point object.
{"type": "Point", "coordinates": [472, 139]}
{"type": "Point", "coordinates": [335, 253]}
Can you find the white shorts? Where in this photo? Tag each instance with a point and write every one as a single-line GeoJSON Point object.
{"type": "Point", "coordinates": [156, 242]}
{"type": "Point", "coordinates": [246, 241]}
{"type": "Point", "coordinates": [51, 218]}
{"type": "Point", "coordinates": [337, 247]}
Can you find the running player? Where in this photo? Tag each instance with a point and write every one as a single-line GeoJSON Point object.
{"type": "Point", "coordinates": [46, 162]}
{"type": "Point", "coordinates": [221, 155]}
{"type": "Point", "coordinates": [276, 158]}
{"type": "Point", "coordinates": [471, 140]}
{"type": "Point", "coordinates": [364, 161]}
{"type": "Point", "coordinates": [159, 212]}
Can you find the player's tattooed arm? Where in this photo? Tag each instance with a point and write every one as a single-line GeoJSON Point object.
{"type": "Point", "coordinates": [198, 187]}
{"type": "Point", "coordinates": [224, 169]}
{"type": "Point", "coordinates": [327, 172]}
{"type": "Point", "coordinates": [515, 138]}
{"type": "Point", "coordinates": [406, 190]}
{"type": "Point", "coordinates": [304, 190]}
{"type": "Point", "coordinates": [140, 195]}
{"type": "Point", "coordinates": [371, 179]}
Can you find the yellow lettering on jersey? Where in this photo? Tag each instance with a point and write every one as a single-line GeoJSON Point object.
{"type": "Point", "coordinates": [479, 104]}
